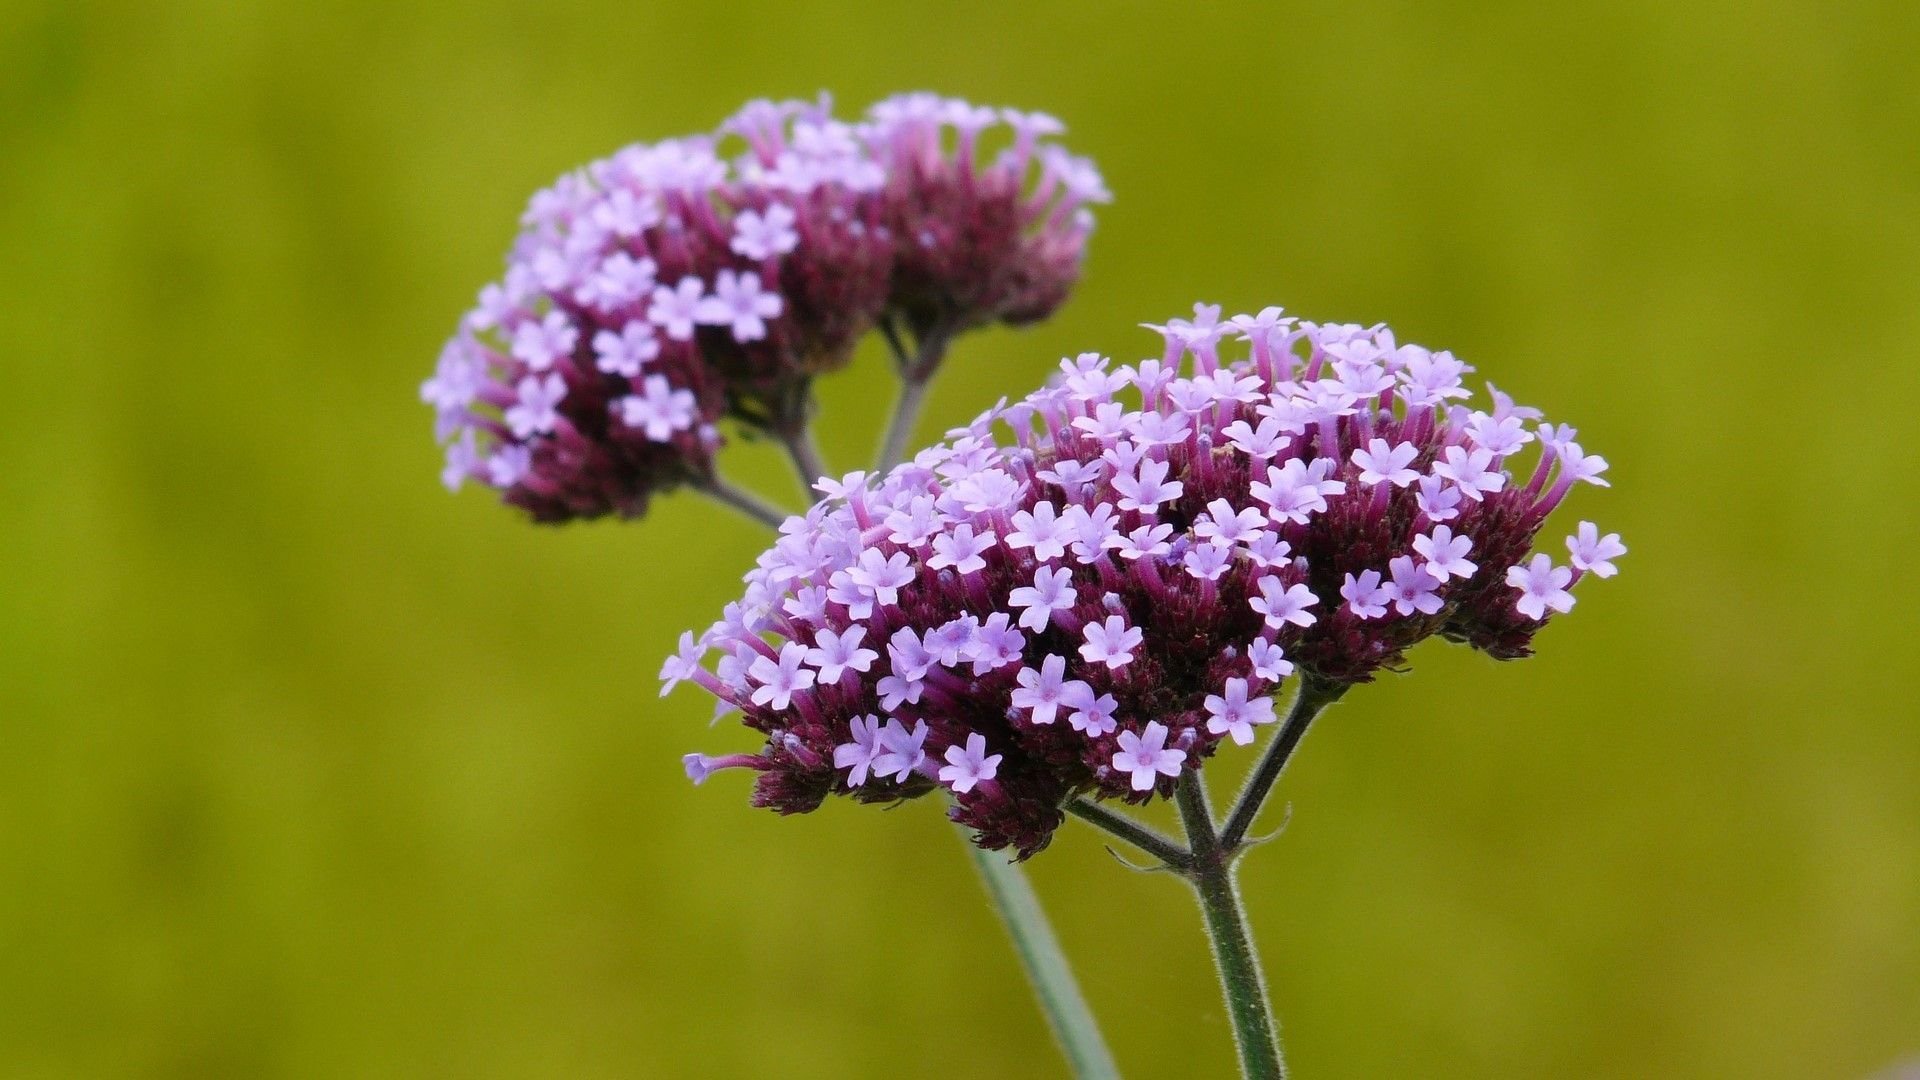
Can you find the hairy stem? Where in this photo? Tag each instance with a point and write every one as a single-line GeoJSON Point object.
{"type": "Point", "coordinates": [1171, 854]}
{"type": "Point", "coordinates": [741, 501]}
{"type": "Point", "coordinates": [1241, 981]}
{"type": "Point", "coordinates": [1046, 965]}
{"type": "Point", "coordinates": [1312, 697]}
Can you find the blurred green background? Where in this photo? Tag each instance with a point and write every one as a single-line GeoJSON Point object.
{"type": "Point", "coordinates": [309, 770]}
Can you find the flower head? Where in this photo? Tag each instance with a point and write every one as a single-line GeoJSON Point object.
{"type": "Point", "coordinates": [659, 292]}
{"type": "Point", "coordinates": [1153, 591]}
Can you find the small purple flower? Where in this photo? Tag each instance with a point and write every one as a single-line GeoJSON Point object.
{"type": "Point", "coordinates": [1542, 586]}
{"type": "Point", "coordinates": [900, 750]}
{"type": "Point", "coordinates": [1146, 757]}
{"type": "Point", "coordinates": [533, 411]}
{"type": "Point", "coordinates": [966, 768]}
{"type": "Point", "coordinates": [761, 236]}
{"type": "Point", "coordinates": [1052, 592]}
{"type": "Point", "coordinates": [780, 679]}
{"type": "Point", "coordinates": [1366, 597]}
{"type": "Point", "coordinates": [626, 351]}
{"type": "Point", "coordinates": [676, 309]}
{"type": "Point", "coordinates": [858, 754]}
{"type": "Point", "coordinates": [1384, 463]}
{"type": "Point", "coordinates": [1269, 661]}
{"type": "Point", "coordinates": [1042, 692]}
{"type": "Point", "coordinates": [1111, 643]}
{"type": "Point", "coordinates": [1232, 713]}
{"type": "Point", "coordinates": [658, 409]}
{"type": "Point", "coordinates": [1041, 530]}
{"type": "Point", "coordinates": [1592, 553]}
{"type": "Point", "coordinates": [1146, 489]}
{"type": "Point", "coordinates": [541, 344]}
{"type": "Point", "coordinates": [1470, 471]}
{"type": "Point", "coordinates": [1092, 714]}
{"type": "Point", "coordinates": [508, 465]}
{"type": "Point", "coordinates": [836, 654]}
{"type": "Point", "coordinates": [1436, 499]}
{"type": "Point", "coordinates": [463, 461]}
{"type": "Point", "coordinates": [620, 280]}
{"type": "Point", "coordinates": [961, 550]}
{"type": "Point", "coordinates": [739, 304]}
{"type": "Point", "coordinates": [1285, 605]}
{"type": "Point", "coordinates": [1445, 553]}
{"type": "Point", "coordinates": [1412, 589]}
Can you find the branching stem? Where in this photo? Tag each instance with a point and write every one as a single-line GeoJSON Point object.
{"type": "Point", "coordinates": [1241, 981]}
{"type": "Point", "coordinates": [1164, 848]}
{"type": "Point", "coordinates": [1313, 696]}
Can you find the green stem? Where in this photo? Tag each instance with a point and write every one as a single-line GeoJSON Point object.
{"type": "Point", "coordinates": [1241, 981]}
{"type": "Point", "coordinates": [1312, 697]}
{"type": "Point", "coordinates": [916, 377]}
{"type": "Point", "coordinates": [741, 501]}
{"type": "Point", "coordinates": [1170, 854]}
{"type": "Point", "coordinates": [807, 462]}
{"type": "Point", "coordinates": [1046, 965]}
{"type": "Point", "coordinates": [1048, 971]}
{"type": "Point", "coordinates": [906, 413]}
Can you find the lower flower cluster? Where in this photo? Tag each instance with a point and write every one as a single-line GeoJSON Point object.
{"type": "Point", "coordinates": [1096, 601]}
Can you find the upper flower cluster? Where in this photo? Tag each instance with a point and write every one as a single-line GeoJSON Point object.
{"type": "Point", "coordinates": [1092, 605]}
{"type": "Point", "coordinates": [659, 290]}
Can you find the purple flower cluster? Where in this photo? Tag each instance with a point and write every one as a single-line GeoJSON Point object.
{"type": "Point", "coordinates": [660, 290]}
{"type": "Point", "coordinates": [1094, 605]}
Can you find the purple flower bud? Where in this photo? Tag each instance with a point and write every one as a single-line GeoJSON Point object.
{"type": "Point", "coordinates": [979, 239]}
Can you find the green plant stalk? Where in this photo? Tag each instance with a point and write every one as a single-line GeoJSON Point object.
{"type": "Point", "coordinates": [1046, 965]}
{"type": "Point", "coordinates": [916, 367]}
{"type": "Point", "coordinates": [1241, 981]}
{"type": "Point", "coordinates": [1011, 894]}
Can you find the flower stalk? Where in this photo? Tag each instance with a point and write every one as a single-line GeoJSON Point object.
{"type": "Point", "coordinates": [805, 454]}
{"type": "Point", "coordinates": [1314, 696]}
{"type": "Point", "coordinates": [741, 501]}
{"type": "Point", "coordinates": [916, 367]}
{"type": "Point", "coordinates": [1046, 965]}
{"type": "Point", "coordinates": [1209, 863]}
{"type": "Point", "coordinates": [1241, 980]}
{"type": "Point", "coordinates": [1048, 970]}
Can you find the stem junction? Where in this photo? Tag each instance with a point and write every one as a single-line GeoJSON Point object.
{"type": "Point", "coordinates": [1208, 863]}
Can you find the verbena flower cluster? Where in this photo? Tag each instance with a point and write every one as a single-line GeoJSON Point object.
{"type": "Point", "coordinates": [657, 291]}
{"type": "Point", "coordinates": [1094, 604]}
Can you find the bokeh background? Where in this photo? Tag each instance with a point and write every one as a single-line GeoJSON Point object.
{"type": "Point", "coordinates": [309, 770]}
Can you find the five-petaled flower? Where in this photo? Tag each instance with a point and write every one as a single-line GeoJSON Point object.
{"type": "Point", "coordinates": [1232, 713]}
{"type": "Point", "coordinates": [1542, 586]}
{"type": "Point", "coordinates": [966, 768]}
{"type": "Point", "coordinates": [1146, 757]}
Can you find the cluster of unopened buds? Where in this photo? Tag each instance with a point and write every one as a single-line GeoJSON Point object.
{"type": "Point", "coordinates": [1088, 591]}
{"type": "Point", "coordinates": [658, 292]}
